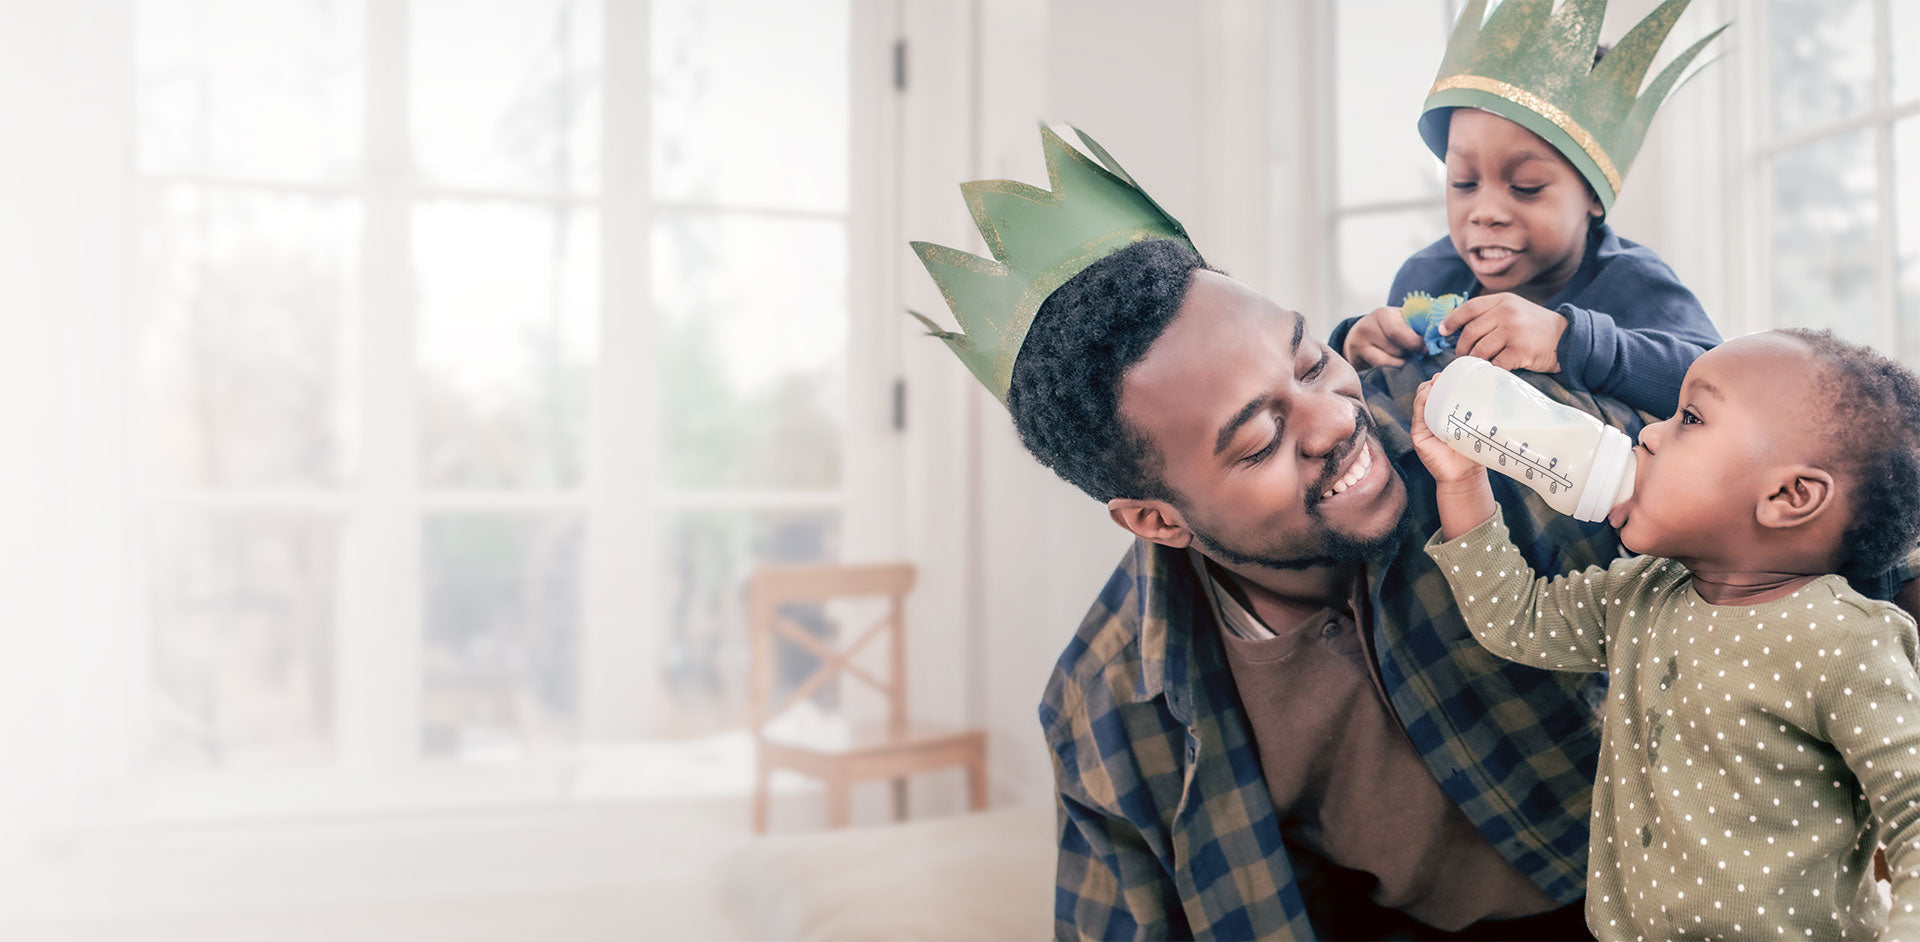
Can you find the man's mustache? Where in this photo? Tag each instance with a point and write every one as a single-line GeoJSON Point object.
{"type": "Point", "coordinates": [1362, 424]}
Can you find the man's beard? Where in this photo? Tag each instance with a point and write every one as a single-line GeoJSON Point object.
{"type": "Point", "coordinates": [1335, 548]}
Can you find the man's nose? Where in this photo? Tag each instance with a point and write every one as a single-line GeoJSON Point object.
{"type": "Point", "coordinates": [1327, 421]}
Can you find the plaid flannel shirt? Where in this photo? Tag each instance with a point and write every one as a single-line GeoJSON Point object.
{"type": "Point", "coordinates": [1166, 829]}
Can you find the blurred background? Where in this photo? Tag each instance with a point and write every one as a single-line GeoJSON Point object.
{"type": "Point", "coordinates": [400, 392]}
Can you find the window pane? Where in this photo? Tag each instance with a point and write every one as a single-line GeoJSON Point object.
{"type": "Point", "coordinates": [502, 608]}
{"type": "Point", "coordinates": [1823, 219]}
{"type": "Point", "coordinates": [709, 555]}
{"type": "Point", "coordinates": [507, 94]}
{"type": "Point", "coordinates": [507, 341]}
{"type": "Point", "coordinates": [1372, 246]}
{"type": "Point", "coordinates": [1905, 46]}
{"type": "Point", "coordinates": [1821, 54]}
{"type": "Point", "coordinates": [249, 352]}
{"type": "Point", "coordinates": [1378, 95]}
{"type": "Point", "coordinates": [252, 88]}
{"type": "Point", "coordinates": [753, 340]}
{"type": "Point", "coordinates": [1906, 221]}
{"type": "Point", "coordinates": [722, 134]}
{"type": "Point", "coordinates": [243, 626]}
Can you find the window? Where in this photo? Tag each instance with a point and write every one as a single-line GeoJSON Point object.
{"type": "Point", "coordinates": [481, 349]}
{"type": "Point", "coordinates": [1385, 191]}
{"type": "Point", "coordinates": [1838, 144]}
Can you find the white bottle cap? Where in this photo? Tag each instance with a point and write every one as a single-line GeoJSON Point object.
{"type": "Point", "coordinates": [1611, 459]}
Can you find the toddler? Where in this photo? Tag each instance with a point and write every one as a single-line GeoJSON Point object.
{"type": "Point", "coordinates": [1762, 727]}
{"type": "Point", "coordinates": [1549, 286]}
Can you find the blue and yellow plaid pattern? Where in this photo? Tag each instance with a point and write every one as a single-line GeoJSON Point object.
{"type": "Point", "coordinates": [1166, 826]}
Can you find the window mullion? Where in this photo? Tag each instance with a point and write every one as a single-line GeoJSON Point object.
{"type": "Point", "coordinates": [378, 688]}
{"type": "Point", "coordinates": [618, 649]}
{"type": "Point", "coordinates": [1885, 262]}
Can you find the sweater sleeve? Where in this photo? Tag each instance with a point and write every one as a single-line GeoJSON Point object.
{"type": "Point", "coordinates": [1872, 708]}
{"type": "Point", "coordinates": [1639, 350]}
{"type": "Point", "coordinates": [1558, 623]}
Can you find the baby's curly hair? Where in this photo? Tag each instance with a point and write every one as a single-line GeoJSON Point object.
{"type": "Point", "coordinates": [1872, 409]}
{"type": "Point", "coordinates": [1065, 394]}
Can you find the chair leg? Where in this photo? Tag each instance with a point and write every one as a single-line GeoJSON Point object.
{"type": "Point", "coordinates": [837, 802]}
{"type": "Point", "coordinates": [762, 784]}
{"type": "Point", "coordinates": [977, 780]}
{"type": "Point", "coordinates": [899, 799]}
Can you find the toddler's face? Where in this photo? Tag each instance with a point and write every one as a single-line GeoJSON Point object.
{"type": "Point", "coordinates": [1517, 211]}
{"type": "Point", "coordinates": [1700, 474]}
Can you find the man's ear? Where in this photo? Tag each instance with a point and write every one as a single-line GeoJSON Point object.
{"type": "Point", "coordinates": [1801, 494]}
{"type": "Point", "coordinates": [1155, 521]}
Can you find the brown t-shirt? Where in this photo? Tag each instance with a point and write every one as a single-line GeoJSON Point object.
{"type": "Point", "coordinates": [1347, 783]}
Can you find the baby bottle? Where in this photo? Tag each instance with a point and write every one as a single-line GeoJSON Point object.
{"type": "Point", "coordinates": [1582, 466]}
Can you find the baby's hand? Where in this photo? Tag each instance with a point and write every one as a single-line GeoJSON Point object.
{"type": "Point", "coordinates": [1511, 331]}
{"type": "Point", "coordinates": [1449, 467]}
{"type": "Point", "coordinates": [1381, 338]}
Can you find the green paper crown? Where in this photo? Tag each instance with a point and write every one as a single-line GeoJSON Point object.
{"type": "Point", "coordinates": [1039, 240]}
{"type": "Point", "coordinates": [1533, 65]}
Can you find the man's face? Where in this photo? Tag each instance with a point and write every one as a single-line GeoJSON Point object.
{"type": "Point", "coordinates": [1263, 434]}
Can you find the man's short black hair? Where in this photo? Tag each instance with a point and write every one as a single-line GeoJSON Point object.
{"type": "Point", "coordinates": [1065, 394]}
{"type": "Point", "coordinates": [1871, 407]}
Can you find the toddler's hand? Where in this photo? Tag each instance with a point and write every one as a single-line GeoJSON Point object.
{"type": "Point", "coordinates": [1381, 338]}
{"type": "Point", "coordinates": [1511, 331]}
{"type": "Point", "coordinates": [1448, 467]}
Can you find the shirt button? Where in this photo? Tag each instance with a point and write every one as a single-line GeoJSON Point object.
{"type": "Point", "coordinates": [1329, 629]}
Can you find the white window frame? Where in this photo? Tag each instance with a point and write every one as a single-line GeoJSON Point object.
{"type": "Point", "coordinates": [1748, 98]}
{"type": "Point", "coordinates": [378, 632]}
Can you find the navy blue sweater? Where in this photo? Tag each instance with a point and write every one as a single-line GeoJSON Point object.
{"type": "Point", "coordinates": [1632, 327]}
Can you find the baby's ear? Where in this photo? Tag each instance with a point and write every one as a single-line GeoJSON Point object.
{"type": "Point", "coordinates": [1801, 494]}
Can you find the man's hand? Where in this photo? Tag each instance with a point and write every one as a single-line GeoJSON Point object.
{"type": "Point", "coordinates": [1511, 331]}
{"type": "Point", "coordinates": [1461, 489]}
{"type": "Point", "coordinates": [1381, 338]}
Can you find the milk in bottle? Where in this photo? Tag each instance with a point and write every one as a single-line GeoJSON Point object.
{"type": "Point", "coordinates": [1580, 465]}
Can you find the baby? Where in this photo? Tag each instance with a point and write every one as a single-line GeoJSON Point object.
{"type": "Point", "coordinates": [1762, 724]}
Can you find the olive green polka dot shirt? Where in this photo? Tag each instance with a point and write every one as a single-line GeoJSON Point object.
{"type": "Point", "coordinates": [1753, 756]}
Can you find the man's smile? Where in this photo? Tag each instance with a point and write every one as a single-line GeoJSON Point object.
{"type": "Point", "coordinates": [1357, 471]}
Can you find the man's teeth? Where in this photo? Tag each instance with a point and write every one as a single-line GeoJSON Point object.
{"type": "Point", "coordinates": [1495, 253]}
{"type": "Point", "coordinates": [1353, 475]}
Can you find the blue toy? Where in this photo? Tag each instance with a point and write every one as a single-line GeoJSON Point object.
{"type": "Point", "coordinates": [1424, 314]}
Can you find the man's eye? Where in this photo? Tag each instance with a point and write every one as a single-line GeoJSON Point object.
{"type": "Point", "coordinates": [1320, 366]}
{"type": "Point", "coordinates": [1263, 453]}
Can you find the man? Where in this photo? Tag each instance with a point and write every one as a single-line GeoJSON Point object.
{"type": "Point", "coordinates": [1273, 721]}
{"type": "Point", "coordinates": [1234, 757]}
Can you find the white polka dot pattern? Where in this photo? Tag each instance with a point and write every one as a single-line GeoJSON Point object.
{"type": "Point", "coordinates": [1753, 756]}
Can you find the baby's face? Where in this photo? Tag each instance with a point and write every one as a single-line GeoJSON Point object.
{"type": "Point", "coordinates": [1701, 474]}
{"type": "Point", "coordinates": [1517, 211]}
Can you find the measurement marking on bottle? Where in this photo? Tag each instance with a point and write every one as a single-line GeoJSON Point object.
{"type": "Point", "coordinates": [1461, 425]}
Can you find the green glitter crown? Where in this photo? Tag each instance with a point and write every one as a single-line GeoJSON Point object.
{"type": "Point", "coordinates": [1533, 65]}
{"type": "Point", "coordinates": [1039, 240]}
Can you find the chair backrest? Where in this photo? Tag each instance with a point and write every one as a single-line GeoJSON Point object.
{"type": "Point", "coordinates": [771, 588]}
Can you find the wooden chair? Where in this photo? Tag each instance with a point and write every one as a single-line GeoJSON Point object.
{"type": "Point", "coordinates": [890, 750]}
